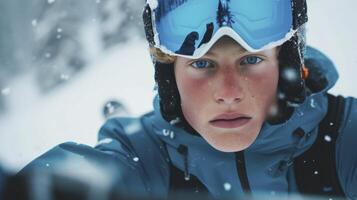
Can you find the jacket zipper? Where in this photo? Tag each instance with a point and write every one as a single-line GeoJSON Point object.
{"type": "Point", "coordinates": [242, 173]}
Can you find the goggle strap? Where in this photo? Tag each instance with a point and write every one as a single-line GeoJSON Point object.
{"type": "Point", "coordinates": [148, 25]}
{"type": "Point", "coordinates": [299, 13]}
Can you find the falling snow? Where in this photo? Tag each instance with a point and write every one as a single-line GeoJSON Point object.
{"type": "Point", "coordinates": [273, 110]}
{"type": "Point", "coordinates": [133, 127]}
{"type": "Point", "coordinates": [312, 103]}
{"type": "Point", "coordinates": [327, 138]}
{"type": "Point", "coordinates": [34, 22]}
{"type": "Point", "coordinates": [290, 74]}
{"type": "Point", "coordinates": [175, 121]}
{"type": "Point", "coordinates": [135, 159]}
{"type": "Point", "coordinates": [227, 186]}
{"type": "Point", "coordinates": [327, 189]}
{"type": "Point", "coordinates": [281, 95]}
{"type": "Point", "coordinates": [64, 77]}
{"type": "Point", "coordinates": [5, 91]}
{"type": "Point", "coordinates": [300, 113]}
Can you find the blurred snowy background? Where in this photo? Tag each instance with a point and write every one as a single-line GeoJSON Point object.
{"type": "Point", "coordinates": [61, 61]}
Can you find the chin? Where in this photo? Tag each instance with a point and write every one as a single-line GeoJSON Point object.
{"type": "Point", "coordinates": [230, 149]}
{"type": "Point", "coordinates": [231, 142]}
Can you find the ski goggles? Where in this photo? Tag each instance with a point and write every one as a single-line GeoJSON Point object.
{"type": "Point", "coordinates": [189, 28]}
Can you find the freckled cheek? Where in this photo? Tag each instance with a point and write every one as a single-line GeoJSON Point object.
{"type": "Point", "coordinates": [263, 86]}
{"type": "Point", "coordinates": [194, 98]}
{"type": "Point", "coordinates": [193, 91]}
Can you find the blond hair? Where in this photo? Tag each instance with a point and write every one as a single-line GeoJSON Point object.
{"type": "Point", "coordinates": [161, 56]}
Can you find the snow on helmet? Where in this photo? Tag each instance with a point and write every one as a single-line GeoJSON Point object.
{"type": "Point", "coordinates": [189, 28]}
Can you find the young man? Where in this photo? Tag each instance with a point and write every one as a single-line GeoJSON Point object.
{"type": "Point", "coordinates": [242, 109]}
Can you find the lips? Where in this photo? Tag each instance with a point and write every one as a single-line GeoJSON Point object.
{"type": "Point", "coordinates": [230, 120]}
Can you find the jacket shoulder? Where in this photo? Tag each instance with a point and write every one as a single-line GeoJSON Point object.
{"type": "Point", "coordinates": [84, 164]}
{"type": "Point", "coordinates": [114, 136]}
{"type": "Point", "coordinates": [134, 139]}
{"type": "Point", "coordinates": [346, 151]}
{"type": "Point", "coordinates": [126, 154]}
{"type": "Point", "coordinates": [128, 136]}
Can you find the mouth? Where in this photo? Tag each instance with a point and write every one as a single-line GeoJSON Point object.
{"type": "Point", "coordinates": [230, 121]}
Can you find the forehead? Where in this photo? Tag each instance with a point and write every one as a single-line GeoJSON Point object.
{"type": "Point", "coordinates": [226, 43]}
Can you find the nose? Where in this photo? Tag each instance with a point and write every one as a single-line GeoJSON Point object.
{"type": "Point", "coordinates": [229, 87]}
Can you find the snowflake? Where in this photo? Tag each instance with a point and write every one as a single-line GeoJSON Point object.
{"type": "Point", "coordinates": [327, 138]}
{"type": "Point", "coordinates": [34, 22]}
{"type": "Point", "coordinates": [227, 186]}
{"type": "Point", "coordinates": [290, 75]}
{"type": "Point", "coordinates": [312, 103]}
{"type": "Point", "coordinates": [5, 91]}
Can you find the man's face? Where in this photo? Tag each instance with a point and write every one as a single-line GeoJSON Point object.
{"type": "Point", "coordinates": [226, 95]}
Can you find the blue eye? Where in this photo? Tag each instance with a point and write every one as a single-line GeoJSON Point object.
{"type": "Point", "coordinates": [200, 64]}
{"type": "Point", "coordinates": [251, 60]}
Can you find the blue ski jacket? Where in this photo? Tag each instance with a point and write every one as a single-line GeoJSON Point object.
{"type": "Point", "coordinates": [141, 150]}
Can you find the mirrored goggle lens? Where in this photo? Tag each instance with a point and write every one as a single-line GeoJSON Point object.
{"type": "Point", "coordinates": [185, 27]}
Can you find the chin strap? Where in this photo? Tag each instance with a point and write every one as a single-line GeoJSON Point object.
{"type": "Point", "coordinates": [299, 13]}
